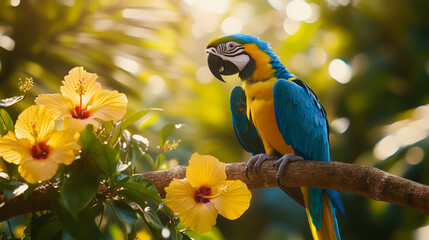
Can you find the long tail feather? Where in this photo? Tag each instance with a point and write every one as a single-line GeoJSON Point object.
{"type": "Point", "coordinates": [329, 227]}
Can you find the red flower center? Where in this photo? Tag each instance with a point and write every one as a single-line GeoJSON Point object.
{"type": "Point", "coordinates": [80, 113]}
{"type": "Point", "coordinates": [201, 193]}
{"type": "Point", "coordinates": [40, 151]}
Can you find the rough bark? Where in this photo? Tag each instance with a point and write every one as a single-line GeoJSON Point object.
{"type": "Point", "coordinates": [363, 180]}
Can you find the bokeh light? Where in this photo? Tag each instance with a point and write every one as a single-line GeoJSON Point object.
{"type": "Point", "coordinates": [127, 64]}
{"type": "Point", "coordinates": [290, 26]}
{"type": "Point", "coordinates": [340, 71]}
{"type": "Point", "coordinates": [156, 84]}
{"type": "Point", "coordinates": [414, 155]}
{"type": "Point", "coordinates": [386, 147]}
{"type": "Point", "coordinates": [299, 10]}
{"type": "Point", "coordinates": [231, 25]}
{"type": "Point", "coordinates": [340, 125]}
{"type": "Point", "coordinates": [7, 42]}
{"type": "Point", "coordinates": [203, 75]}
{"type": "Point", "coordinates": [318, 56]}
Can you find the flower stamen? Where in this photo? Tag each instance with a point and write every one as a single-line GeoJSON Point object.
{"type": "Point", "coordinates": [80, 111]}
{"type": "Point", "coordinates": [40, 150]}
{"type": "Point", "coordinates": [202, 195]}
{"type": "Point", "coordinates": [222, 189]}
{"type": "Point", "coordinates": [26, 85]}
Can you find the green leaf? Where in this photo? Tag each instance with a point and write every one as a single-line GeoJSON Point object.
{"type": "Point", "coordinates": [136, 148]}
{"type": "Point", "coordinates": [133, 196]}
{"type": "Point", "coordinates": [105, 156]}
{"type": "Point", "coordinates": [149, 158]}
{"type": "Point", "coordinates": [139, 188]}
{"type": "Point", "coordinates": [158, 161]}
{"type": "Point", "coordinates": [130, 120]}
{"type": "Point", "coordinates": [78, 191]}
{"type": "Point", "coordinates": [152, 219]}
{"type": "Point", "coordinates": [6, 123]}
{"type": "Point", "coordinates": [10, 101]}
{"type": "Point", "coordinates": [14, 189]}
{"type": "Point", "coordinates": [81, 227]}
{"type": "Point", "coordinates": [174, 233]}
{"type": "Point", "coordinates": [49, 230]}
{"type": "Point", "coordinates": [125, 214]}
{"type": "Point", "coordinates": [142, 180]}
{"type": "Point", "coordinates": [165, 133]}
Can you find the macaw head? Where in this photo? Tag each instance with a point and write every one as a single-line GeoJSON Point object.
{"type": "Point", "coordinates": [252, 58]}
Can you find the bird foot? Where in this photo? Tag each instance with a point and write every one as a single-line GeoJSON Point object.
{"type": "Point", "coordinates": [256, 162]}
{"type": "Point", "coordinates": [282, 162]}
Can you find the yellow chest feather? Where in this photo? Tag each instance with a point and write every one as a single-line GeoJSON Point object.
{"type": "Point", "coordinates": [260, 110]}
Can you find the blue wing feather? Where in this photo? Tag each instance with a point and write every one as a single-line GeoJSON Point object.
{"type": "Point", "coordinates": [303, 124]}
{"type": "Point", "coordinates": [248, 135]}
{"type": "Point", "coordinates": [244, 129]}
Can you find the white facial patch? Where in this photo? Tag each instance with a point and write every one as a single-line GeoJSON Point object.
{"type": "Point", "coordinates": [232, 52]}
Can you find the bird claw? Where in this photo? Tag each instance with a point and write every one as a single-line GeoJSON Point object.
{"type": "Point", "coordinates": [256, 161]}
{"type": "Point", "coordinates": [282, 162]}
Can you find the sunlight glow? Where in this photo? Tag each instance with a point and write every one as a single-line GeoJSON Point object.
{"type": "Point", "coordinates": [231, 25]}
{"type": "Point", "coordinates": [204, 26]}
{"type": "Point", "coordinates": [421, 233]}
{"type": "Point", "coordinates": [290, 26]}
{"type": "Point", "coordinates": [127, 64]}
{"type": "Point", "coordinates": [414, 155]}
{"type": "Point", "coordinates": [165, 233]}
{"type": "Point", "coordinates": [409, 135]}
{"type": "Point", "coordinates": [276, 4]}
{"type": "Point", "coordinates": [337, 3]}
{"type": "Point", "coordinates": [15, 3]}
{"type": "Point", "coordinates": [299, 10]}
{"type": "Point", "coordinates": [404, 133]}
{"type": "Point", "coordinates": [386, 147]}
{"type": "Point", "coordinates": [156, 84]}
{"type": "Point", "coordinates": [315, 13]}
{"type": "Point", "coordinates": [218, 7]}
{"type": "Point", "coordinates": [7, 43]}
{"type": "Point", "coordinates": [340, 71]}
{"type": "Point", "coordinates": [318, 57]}
{"type": "Point", "coordinates": [149, 14]}
{"type": "Point", "coordinates": [203, 75]}
{"type": "Point", "coordinates": [103, 24]}
{"type": "Point", "coordinates": [340, 125]}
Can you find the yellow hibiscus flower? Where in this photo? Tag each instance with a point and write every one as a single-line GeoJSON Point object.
{"type": "Point", "coordinates": [36, 146]}
{"type": "Point", "coordinates": [82, 101]}
{"type": "Point", "coordinates": [205, 192]}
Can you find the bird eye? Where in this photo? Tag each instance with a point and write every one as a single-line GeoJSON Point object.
{"type": "Point", "coordinates": [231, 45]}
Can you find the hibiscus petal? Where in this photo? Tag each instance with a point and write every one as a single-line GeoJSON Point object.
{"type": "Point", "coordinates": [35, 170]}
{"type": "Point", "coordinates": [71, 81]}
{"type": "Point", "coordinates": [63, 146]}
{"type": "Point", "coordinates": [180, 196]}
{"type": "Point", "coordinates": [13, 150]}
{"type": "Point", "coordinates": [200, 219]}
{"type": "Point", "coordinates": [79, 124]}
{"type": "Point", "coordinates": [233, 203]}
{"type": "Point", "coordinates": [205, 170]}
{"type": "Point", "coordinates": [60, 106]}
{"type": "Point", "coordinates": [35, 118]}
{"type": "Point", "coordinates": [107, 105]}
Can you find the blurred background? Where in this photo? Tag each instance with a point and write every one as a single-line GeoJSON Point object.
{"type": "Point", "coordinates": [368, 62]}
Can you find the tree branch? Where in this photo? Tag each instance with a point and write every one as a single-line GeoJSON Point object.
{"type": "Point", "coordinates": [363, 180]}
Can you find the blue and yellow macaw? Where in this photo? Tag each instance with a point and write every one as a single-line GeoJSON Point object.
{"type": "Point", "coordinates": [276, 114]}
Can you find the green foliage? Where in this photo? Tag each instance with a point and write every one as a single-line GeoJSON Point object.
{"type": "Point", "coordinates": [100, 185]}
{"type": "Point", "coordinates": [6, 122]}
{"type": "Point", "coordinates": [384, 43]}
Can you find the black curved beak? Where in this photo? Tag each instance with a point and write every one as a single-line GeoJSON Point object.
{"type": "Point", "coordinates": [219, 67]}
